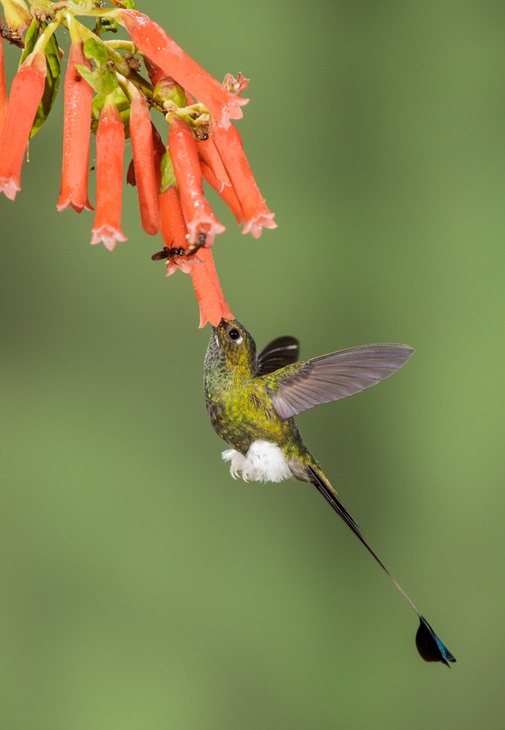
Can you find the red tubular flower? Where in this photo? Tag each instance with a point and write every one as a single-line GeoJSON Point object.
{"type": "Point", "coordinates": [3, 88]}
{"type": "Point", "coordinates": [26, 92]}
{"type": "Point", "coordinates": [175, 233]}
{"type": "Point", "coordinates": [215, 173]}
{"type": "Point", "coordinates": [213, 305]}
{"type": "Point", "coordinates": [195, 207]}
{"type": "Point", "coordinates": [154, 72]}
{"type": "Point", "coordinates": [159, 151]}
{"type": "Point", "coordinates": [159, 48]}
{"type": "Point", "coordinates": [76, 134]}
{"type": "Point", "coordinates": [173, 226]}
{"type": "Point", "coordinates": [146, 176]}
{"type": "Point", "coordinates": [225, 192]}
{"type": "Point", "coordinates": [257, 216]}
{"type": "Point", "coordinates": [209, 154]}
{"type": "Point", "coordinates": [110, 142]}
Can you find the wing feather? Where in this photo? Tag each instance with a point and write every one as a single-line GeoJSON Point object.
{"type": "Point", "coordinates": [277, 354]}
{"type": "Point", "coordinates": [337, 375]}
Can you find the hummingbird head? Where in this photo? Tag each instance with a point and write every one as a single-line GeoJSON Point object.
{"type": "Point", "coordinates": [232, 343]}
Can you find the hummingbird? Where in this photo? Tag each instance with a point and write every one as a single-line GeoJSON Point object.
{"type": "Point", "coordinates": [252, 400]}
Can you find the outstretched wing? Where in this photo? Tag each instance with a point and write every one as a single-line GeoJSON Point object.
{"type": "Point", "coordinates": [334, 376]}
{"type": "Point", "coordinates": [277, 354]}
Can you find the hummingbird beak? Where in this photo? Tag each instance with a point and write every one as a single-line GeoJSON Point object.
{"type": "Point", "coordinates": [215, 330]}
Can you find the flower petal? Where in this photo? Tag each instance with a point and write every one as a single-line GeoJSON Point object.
{"type": "Point", "coordinates": [110, 142]}
{"type": "Point", "coordinates": [76, 134]}
{"type": "Point", "coordinates": [213, 305]}
{"type": "Point", "coordinates": [231, 150]}
{"type": "Point", "coordinates": [161, 50]}
{"type": "Point", "coordinates": [173, 226]}
{"type": "Point", "coordinates": [146, 176]}
{"type": "Point", "coordinates": [108, 235]}
{"type": "Point", "coordinates": [3, 88]}
{"type": "Point", "coordinates": [208, 152]}
{"type": "Point", "coordinates": [196, 209]}
{"type": "Point", "coordinates": [225, 192]}
{"type": "Point", "coordinates": [26, 92]}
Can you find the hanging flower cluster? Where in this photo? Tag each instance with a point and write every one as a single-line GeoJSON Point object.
{"type": "Point", "coordinates": [110, 89]}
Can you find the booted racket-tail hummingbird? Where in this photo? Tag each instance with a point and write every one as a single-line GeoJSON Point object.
{"type": "Point", "coordinates": [252, 400]}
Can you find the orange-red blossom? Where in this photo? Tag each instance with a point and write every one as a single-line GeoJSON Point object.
{"type": "Point", "coordinates": [159, 48]}
{"type": "Point", "coordinates": [202, 141]}
{"type": "Point", "coordinates": [3, 88]}
{"type": "Point", "coordinates": [26, 92]}
{"type": "Point", "coordinates": [213, 305]}
{"type": "Point", "coordinates": [230, 148]}
{"type": "Point", "coordinates": [110, 142]}
{"type": "Point", "coordinates": [197, 211]}
{"type": "Point", "coordinates": [76, 134]}
{"type": "Point", "coordinates": [147, 177]}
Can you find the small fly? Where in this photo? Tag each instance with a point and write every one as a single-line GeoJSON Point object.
{"type": "Point", "coordinates": [168, 253]}
{"type": "Point", "coordinates": [200, 243]}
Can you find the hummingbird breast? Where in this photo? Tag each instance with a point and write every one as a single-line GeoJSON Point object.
{"type": "Point", "coordinates": [242, 414]}
{"type": "Point", "coordinates": [239, 416]}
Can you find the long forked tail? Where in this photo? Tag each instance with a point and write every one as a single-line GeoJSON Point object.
{"type": "Point", "coordinates": [428, 644]}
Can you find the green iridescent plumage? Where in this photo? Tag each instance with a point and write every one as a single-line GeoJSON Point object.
{"type": "Point", "coordinates": [252, 399]}
{"type": "Point", "coordinates": [239, 401]}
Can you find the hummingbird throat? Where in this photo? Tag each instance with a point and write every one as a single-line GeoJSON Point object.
{"type": "Point", "coordinates": [264, 462]}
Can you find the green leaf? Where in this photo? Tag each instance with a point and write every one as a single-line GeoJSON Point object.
{"type": "Point", "coordinates": [96, 110]}
{"type": "Point", "coordinates": [31, 38]}
{"type": "Point", "coordinates": [168, 179]}
{"type": "Point", "coordinates": [101, 80]}
{"type": "Point", "coordinates": [53, 74]}
{"type": "Point", "coordinates": [96, 50]}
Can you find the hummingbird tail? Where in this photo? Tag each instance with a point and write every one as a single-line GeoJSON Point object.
{"type": "Point", "coordinates": [429, 646]}
{"type": "Point", "coordinates": [324, 487]}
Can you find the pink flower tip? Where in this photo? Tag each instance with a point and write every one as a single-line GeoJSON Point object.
{"type": "Point", "coordinates": [77, 206]}
{"type": "Point", "coordinates": [209, 226]}
{"type": "Point", "coordinates": [179, 263]}
{"type": "Point", "coordinates": [9, 187]}
{"type": "Point", "coordinates": [108, 235]}
{"type": "Point", "coordinates": [232, 110]}
{"type": "Point", "coordinates": [255, 225]}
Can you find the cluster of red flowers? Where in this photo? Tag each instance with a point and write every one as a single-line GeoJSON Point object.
{"type": "Point", "coordinates": [105, 92]}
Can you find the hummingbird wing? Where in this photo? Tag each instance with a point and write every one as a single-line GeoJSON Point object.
{"type": "Point", "coordinates": [331, 377]}
{"type": "Point", "coordinates": [277, 354]}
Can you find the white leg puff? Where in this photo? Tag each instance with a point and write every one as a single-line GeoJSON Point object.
{"type": "Point", "coordinates": [264, 462]}
{"type": "Point", "coordinates": [236, 459]}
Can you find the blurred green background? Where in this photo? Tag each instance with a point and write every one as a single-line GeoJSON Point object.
{"type": "Point", "coordinates": [141, 586]}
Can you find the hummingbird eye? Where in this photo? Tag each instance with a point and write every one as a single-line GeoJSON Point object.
{"type": "Point", "coordinates": [235, 335]}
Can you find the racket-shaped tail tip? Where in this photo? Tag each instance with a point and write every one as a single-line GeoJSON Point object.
{"type": "Point", "coordinates": [430, 647]}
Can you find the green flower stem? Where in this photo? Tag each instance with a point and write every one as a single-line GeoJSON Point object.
{"type": "Point", "coordinates": [77, 29]}
{"type": "Point", "coordinates": [126, 86]}
{"type": "Point", "coordinates": [127, 46]}
{"type": "Point", "coordinates": [76, 9]}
